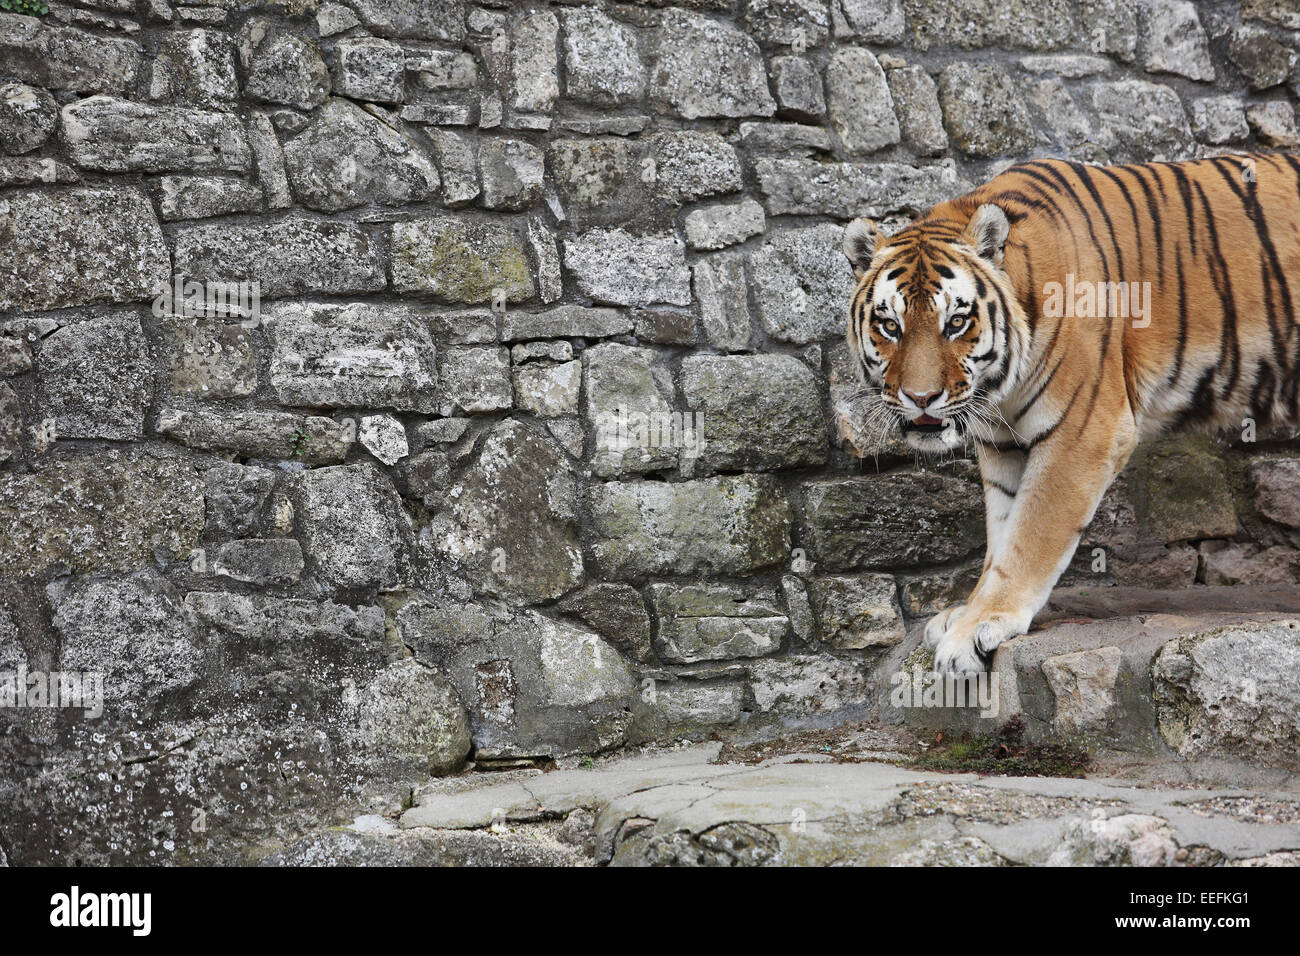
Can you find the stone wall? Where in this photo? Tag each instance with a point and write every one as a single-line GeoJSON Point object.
{"type": "Point", "coordinates": [406, 506]}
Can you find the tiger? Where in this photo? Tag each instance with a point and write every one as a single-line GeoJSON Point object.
{"type": "Point", "coordinates": [963, 330]}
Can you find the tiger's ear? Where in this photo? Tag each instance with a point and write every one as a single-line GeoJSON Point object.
{"type": "Point", "coordinates": [860, 237]}
{"type": "Point", "coordinates": [987, 233]}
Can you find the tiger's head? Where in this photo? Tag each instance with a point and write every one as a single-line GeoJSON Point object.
{"type": "Point", "coordinates": [934, 328]}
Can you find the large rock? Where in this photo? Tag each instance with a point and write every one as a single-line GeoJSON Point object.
{"type": "Point", "coordinates": [710, 622]}
{"type": "Point", "coordinates": [628, 406]}
{"type": "Point", "coordinates": [534, 64]}
{"type": "Point", "coordinates": [720, 285]}
{"type": "Point", "coordinates": [411, 723]}
{"type": "Point", "coordinates": [460, 261]}
{"type": "Point", "coordinates": [858, 98]}
{"type": "Point", "coordinates": [602, 59]}
{"type": "Point", "coordinates": [760, 411]}
{"type": "Point", "coordinates": [810, 188]}
{"type": "Point", "coordinates": [984, 111]}
{"type": "Point", "coordinates": [617, 613]}
{"type": "Point", "coordinates": [355, 355]}
{"type": "Point", "coordinates": [1180, 487]}
{"type": "Point", "coordinates": [709, 526]}
{"type": "Point", "coordinates": [916, 101]}
{"type": "Point", "coordinates": [132, 631]}
{"type": "Point", "coordinates": [274, 436]}
{"type": "Point", "coordinates": [706, 68]}
{"type": "Point", "coordinates": [891, 521]}
{"type": "Point", "coordinates": [512, 520]}
{"type": "Point", "coordinates": [1231, 692]}
{"type": "Point", "coordinates": [1175, 41]}
{"type": "Point", "coordinates": [1277, 490]}
{"type": "Point", "coordinates": [209, 359]}
{"type": "Point", "coordinates": [614, 267]}
{"type": "Point", "coordinates": [121, 136]}
{"type": "Point", "coordinates": [1083, 684]}
{"type": "Point", "coordinates": [109, 512]}
{"type": "Point", "coordinates": [414, 19]}
{"type": "Point", "coordinates": [96, 378]}
{"type": "Point", "coordinates": [288, 69]}
{"type": "Point", "coordinates": [61, 58]}
{"type": "Point", "coordinates": [801, 282]}
{"type": "Point", "coordinates": [351, 525]}
{"type": "Point", "coordinates": [533, 686]}
{"type": "Point", "coordinates": [27, 117]}
{"type": "Point", "coordinates": [347, 158]}
{"type": "Point", "coordinates": [78, 247]}
{"type": "Point", "coordinates": [857, 611]}
{"type": "Point", "coordinates": [1140, 121]}
{"type": "Point", "coordinates": [475, 379]}
{"type": "Point", "coordinates": [512, 172]}
{"type": "Point", "coordinates": [690, 165]}
{"type": "Point", "coordinates": [367, 68]}
{"type": "Point", "coordinates": [196, 68]}
{"type": "Point", "coordinates": [287, 257]}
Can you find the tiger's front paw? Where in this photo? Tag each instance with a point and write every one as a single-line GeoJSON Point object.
{"type": "Point", "coordinates": [957, 655]}
{"type": "Point", "coordinates": [974, 634]}
{"type": "Point", "coordinates": [937, 626]}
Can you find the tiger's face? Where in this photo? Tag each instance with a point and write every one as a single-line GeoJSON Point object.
{"type": "Point", "coordinates": [929, 326]}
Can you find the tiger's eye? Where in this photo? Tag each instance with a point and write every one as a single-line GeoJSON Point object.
{"type": "Point", "coordinates": [891, 327]}
{"type": "Point", "coordinates": [955, 324]}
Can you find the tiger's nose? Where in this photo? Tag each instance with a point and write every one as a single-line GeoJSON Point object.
{"type": "Point", "coordinates": [922, 399]}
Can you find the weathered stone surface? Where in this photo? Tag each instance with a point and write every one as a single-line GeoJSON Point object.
{"type": "Point", "coordinates": [687, 711]}
{"type": "Point", "coordinates": [891, 521]}
{"type": "Point", "coordinates": [475, 380]}
{"type": "Point", "coordinates": [628, 405]}
{"type": "Point", "coordinates": [717, 226]}
{"type": "Point", "coordinates": [916, 101]}
{"type": "Point", "coordinates": [534, 80]}
{"type": "Point", "coordinates": [970, 24]}
{"type": "Point", "coordinates": [260, 561]}
{"type": "Point", "coordinates": [126, 507]}
{"type": "Point", "coordinates": [414, 19]}
{"type": "Point", "coordinates": [567, 321]}
{"type": "Point", "coordinates": [1175, 41]}
{"type": "Point", "coordinates": [1186, 491]}
{"type": "Point", "coordinates": [617, 613]}
{"type": "Point", "coordinates": [846, 190]}
{"type": "Point", "coordinates": [1219, 119]}
{"type": "Point", "coordinates": [348, 157]}
{"type": "Point", "coordinates": [113, 135]}
{"type": "Point", "coordinates": [1274, 124]}
{"type": "Point", "coordinates": [709, 526]}
{"type": "Point", "coordinates": [411, 722]}
{"type": "Point", "coordinates": [1111, 26]}
{"type": "Point", "coordinates": [876, 21]}
{"type": "Point", "coordinates": [594, 174]}
{"type": "Point", "coordinates": [78, 247]}
{"type": "Point", "coordinates": [275, 436]}
{"type": "Point", "coordinates": [688, 165]}
{"type": "Point", "coordinates": [459, 260]}
{"type": "Point", "coordinates": [787, 22]}
{"type": "Point", "coordinates": [1229, 563]}
{"type": "Point", "coordinates": [96, 379]}
{"type": "Point", "coordinates": [798, 88]}
{"type": "Point", "coordinates": [617, 268]}
{"type": "Point", "coordinates": [195, 67]}
{"type": "Point", "coordinates": [351, 525]}
{"type": "Point", "coordinates": [286, 68]}
{"type": "Point", "coordinates": [760, 411]}
{"type": "Point", "coordinates": [61, 58]}
{"type": "Point", "coordinates": [236, 498]}
{"type": "Point", "coordinates": [458, 165]}
{"type": "Point", "coordinates": [131, 630]}
{"type": "Point", "coordinates": [1065, 119]}
{"type": "Point", "coordinates": [984, 111]}
{"type": "Point", "coordinates": [787, 139]}
{"type": "Point", "coordinates": [384, 437]}
{"type": "Point", "coordinates": [533, 686]}
{"type": "Point", "coordinates": [1129, 839]}
{"type": "Point", "coordinates": [860, 105]}
{"type": "Point", "coordinates": [366, 355]}
{"type": "Point", "coordinates": [857, 611]}
{"type": "Point", "coordinates": [11, 424]}
{"type": "Point", "coordinates": [720, 285]}
{"type": "Point", "coordinates": [1139, 121]}
{"type": "Point", "coordinates": [209, 359]}
{"type": "Point", "coordinates": [1277, 489]}
{"type": "Point", "coordinates": [269, 159]}
{"type": "Point", "coordinates": [548, 388]}
{"type": "Point", "coordinates": [706, 68]}
{"type": "Point", "coordinates": [27, 117]}
{"type": "Point", "coordinates": [512, 520]}
{"type": "Point", "coordinates": [1263, 60]}
{"type": "Point", "coordinates": [512, 172]}
{"type": "Point", "coordinates": [1230, 691]}
{"type": "Point", "coordinates": [602, 59]}
{"type": "Point", "coordinates": [290, 256]}
{"type": "Point", "coordinates": [367, 68]}
{"type": "Point", "coordinates": [714, 622]}
{"type": "Point", "coordinates": [800, 281]}
{"type": "Point", "coordinates": [1083, 684]}
{"type": "Point", "coordinates": [200, 197]}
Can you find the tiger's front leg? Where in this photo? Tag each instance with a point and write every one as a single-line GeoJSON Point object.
{"type": "Point", "coordinates": [1061, 486]}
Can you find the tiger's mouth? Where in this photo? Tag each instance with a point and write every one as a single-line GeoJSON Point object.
{"type": "Point", "coordinates": [929, 433]}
